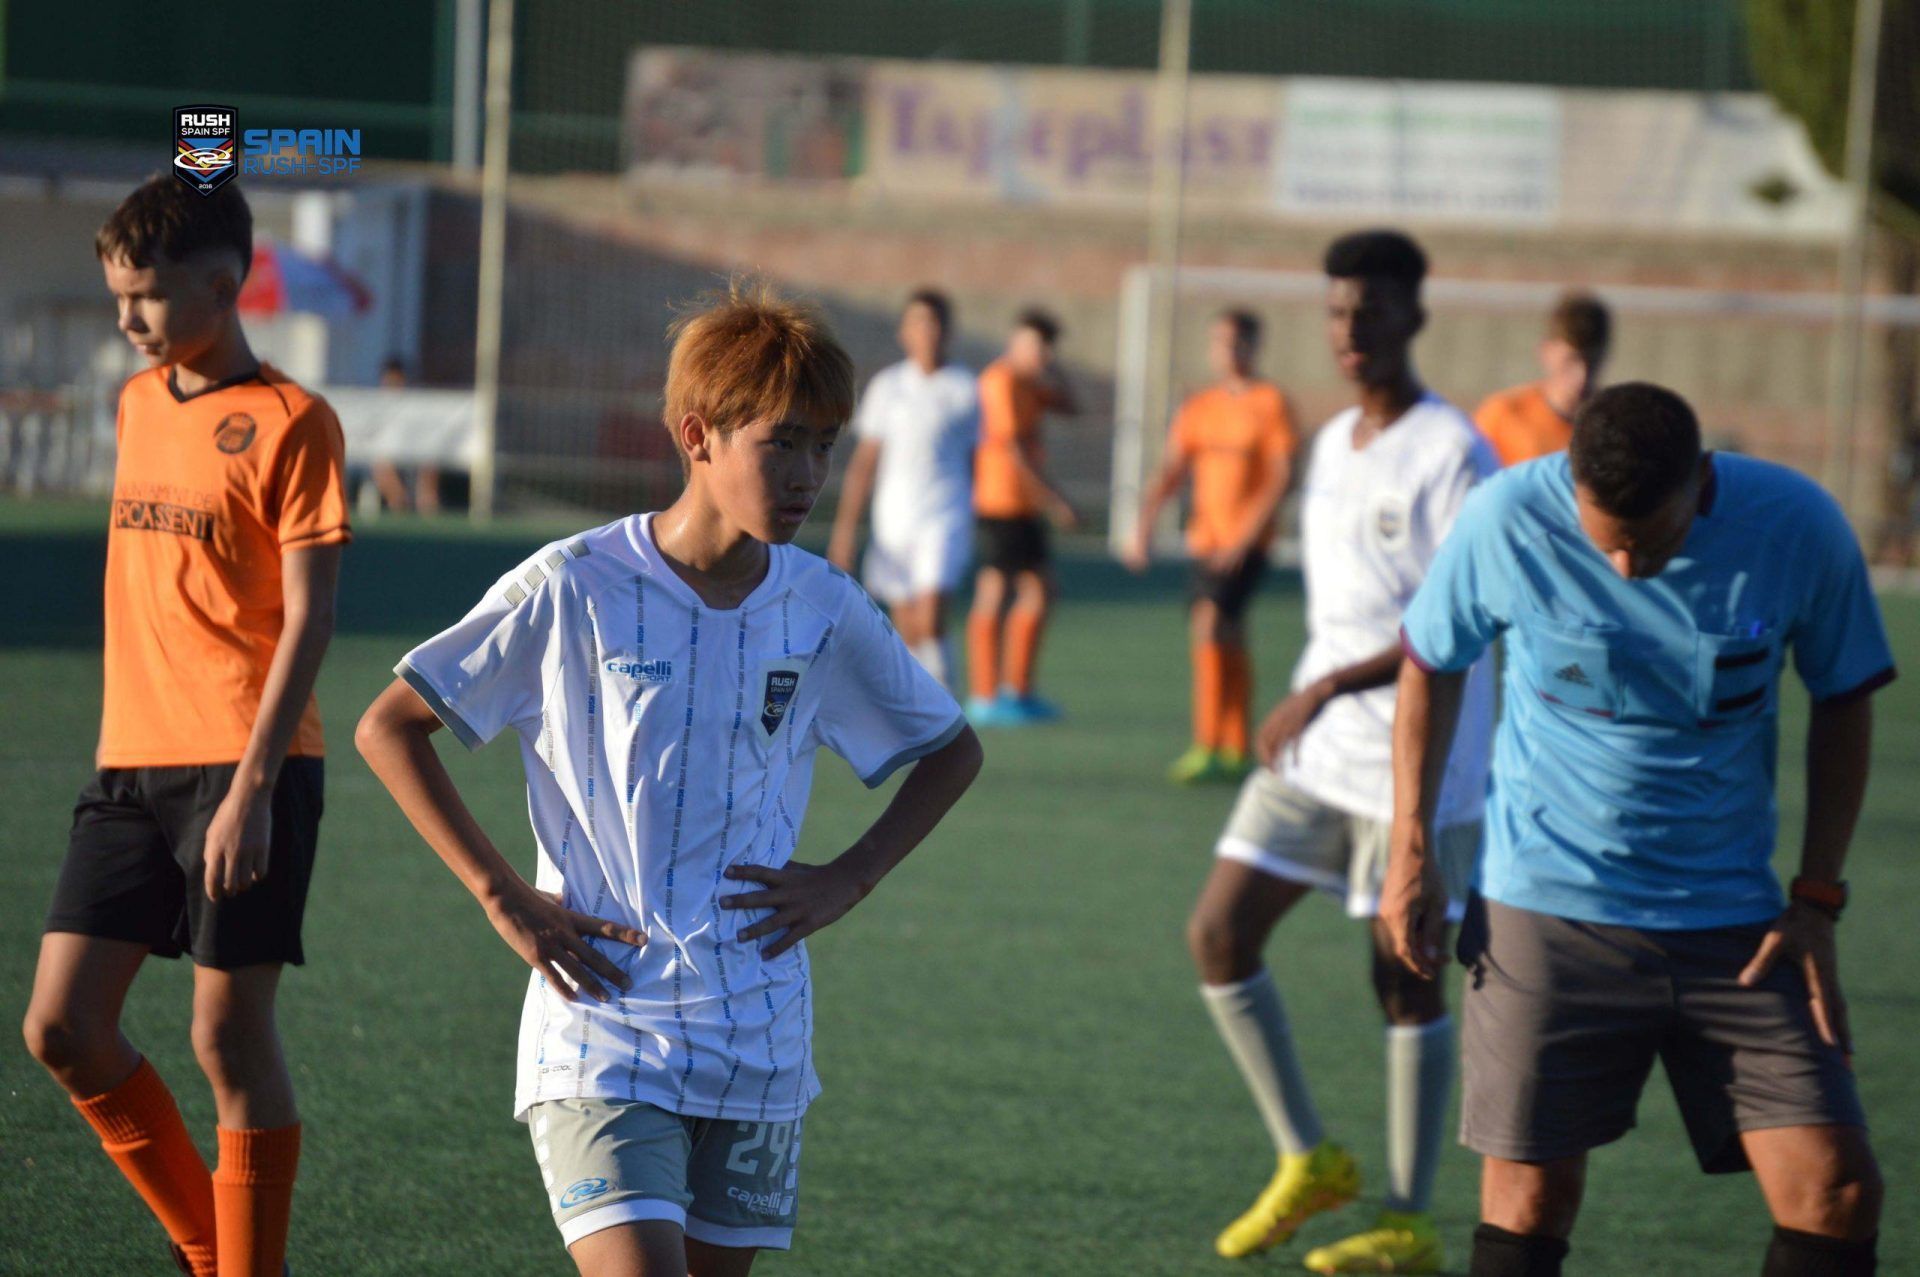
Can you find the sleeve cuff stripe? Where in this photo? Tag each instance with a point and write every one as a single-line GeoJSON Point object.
{"type": "Point", "coordinates": [1406, 645]}
{"type": "Point", "coordinates": [455, 724]}
{"type": "Point", "coordinates": [878, 776]}
{"type": "Point", "coordinates": [1867, 688]}
{"type": "Point", "coordinates": [342, 532]}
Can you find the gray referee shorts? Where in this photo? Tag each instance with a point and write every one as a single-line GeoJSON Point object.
{"type": "Point", "coordinates": [1562, 1022]}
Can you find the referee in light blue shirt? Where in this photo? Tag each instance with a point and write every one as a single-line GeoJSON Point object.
{"type": "Point", "coordinates": [1651, 595]}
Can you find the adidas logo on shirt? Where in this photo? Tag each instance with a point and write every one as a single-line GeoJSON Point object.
{"type": "Point", "coordinates": [643, 671]}
{"type": "Point", "coordinates": [1573, 674]}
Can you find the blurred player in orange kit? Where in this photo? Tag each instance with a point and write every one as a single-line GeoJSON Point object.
{"type": "Point", "coordinates": [1013, 499]}
{"type": "Point", "coordinates": [1236, 440]}
{"type": "Point", "coordinates": [1536, 419]}
{"type": "Point", "coordinates": [197, 832]}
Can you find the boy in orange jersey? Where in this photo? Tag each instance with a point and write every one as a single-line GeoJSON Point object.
{"type": "Point", "coordinates": [1236, 440]}
{"type": "Point", "coordinates": [1013, 499]}
{"type": "Point", "coordinates": [1537, 419]}
{"type": "Point", "coordinates": [197, 833]}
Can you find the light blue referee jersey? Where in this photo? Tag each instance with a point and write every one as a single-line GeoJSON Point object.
{"type": "Point", "coordinates": [1633, 770]}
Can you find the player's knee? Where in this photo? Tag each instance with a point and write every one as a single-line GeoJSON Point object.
{"type": "Point", "coordinates": [58, 1042]}
{"type": "Point", "coordinates": [1845, 1202]}
{"type": "Point", "coordinates": [228, 1043]}
{"type": "Point", "coordinates": [1533, 1199]}
{"type": "Point", "coordinates": [1220, 953]}
{"type": "Point", "coordinates": [1405, 998]}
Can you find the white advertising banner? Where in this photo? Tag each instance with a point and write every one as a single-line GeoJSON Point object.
{"type": "Point", "coordinates": [1456, 151]}
{"type": "Point", "coordinates": [1335, 149]}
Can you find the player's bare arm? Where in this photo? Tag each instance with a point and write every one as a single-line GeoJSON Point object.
{"type": "Point", "coordinates": [1059, 509]}
{"type": "Point", "coordinates": [1839, 749]}
{"type": "Point", "coordinates": [1288, 721]}
{"type": "Point", "coordinates": [238, 836]}
{"type": "Point", "coordinates": [395, 737]}
{"type": "Point", "coordinates": [806, 898]}
{"type": "Point", "coordinates": [1166, 482]}
{"type": "Point", "coordinates": [1413, 898]}
{"type": "Point", "coordinates": [856, 490]}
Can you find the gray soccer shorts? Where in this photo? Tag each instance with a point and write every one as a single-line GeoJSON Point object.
{"type": "Point", "coordinates": [1563, 1020]}
{"type": "Point", "coordinates": [1288, 834]}
{"type": "Point", "coordinates": [607, 1162]}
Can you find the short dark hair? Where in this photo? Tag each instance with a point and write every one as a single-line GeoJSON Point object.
{"type": "Point", "coordinates": [937, 302]}
{"type": "Point", "coordinates": [1246, 324]}
{"type": "Point", "coordinates": [1040, 321]}
{"type": "Point", "coordinates": [163, 219]}
{"type": "Point", "coordinates": [1583, 322]}
{"type": "Point", "coordinates": [1378, 254]}
{"type": "Point", "coordinates": [1634, 445]}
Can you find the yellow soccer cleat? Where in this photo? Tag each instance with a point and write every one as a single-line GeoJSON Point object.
{"type": "Point", "coordinates": [1194, 767]}
{"type": "Point", "coordinates": [1398, 1243]}
{"type": "Point", "coordinates": [1305, 1185]}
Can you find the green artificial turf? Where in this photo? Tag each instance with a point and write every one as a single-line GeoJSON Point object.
{"type": "Point", "coordinates": [1019, 1076]}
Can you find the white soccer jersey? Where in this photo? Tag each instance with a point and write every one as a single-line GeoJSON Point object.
{"type": "Point", "coordinates": [664, 741]}
{"type": "Point", "coordinates": [927, 426]}
{"type": "Point", "coordinates": [1371, 521]}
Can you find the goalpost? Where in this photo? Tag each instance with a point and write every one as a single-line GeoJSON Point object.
{"type": "Point", "coordinates": [1754, 363]}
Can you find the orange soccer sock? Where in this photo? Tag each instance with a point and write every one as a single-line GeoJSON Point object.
{"type": "Point", "coordinates": [140, 1129]}
{"type": "Point", "coordinates": [1236, 699]}
{"type": "Point", "coordinates": [983, 654]}
{"type": "Point", "coordinates": [1209, 694]}
{"type": "Point", "coordinates": [1023, 647]}
{"type": "Point", "coordinates": [253, 1199]}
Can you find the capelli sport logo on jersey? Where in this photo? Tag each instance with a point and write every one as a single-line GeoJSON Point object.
{"type": "Point", "coordinates": [235, 433]}
{"type": "Point", "coordinates": [641, 671]}
{"type": "Point", "coordinates": [203, 146]}
{"type": "Point", "coordinates": [781, 685]}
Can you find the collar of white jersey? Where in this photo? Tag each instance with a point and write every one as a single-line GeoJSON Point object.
{"type": "Point", "coordinates": [640, 535]}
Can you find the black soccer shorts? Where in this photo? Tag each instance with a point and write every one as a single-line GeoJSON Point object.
{"type": "Point", "coordinates": [135, 867]}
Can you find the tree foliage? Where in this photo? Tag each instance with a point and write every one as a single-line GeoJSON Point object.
{"type": "Point", "coordinates": [1802, 54]}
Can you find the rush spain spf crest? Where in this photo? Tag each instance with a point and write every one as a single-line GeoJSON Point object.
{"type": "Point", "coordinates": [777, 695]}
{"type": "Point", "coordinates": [205, 144]}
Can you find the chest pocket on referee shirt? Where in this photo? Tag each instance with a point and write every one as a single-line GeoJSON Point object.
{"type": "Point", "coordinates": [1575, 668]}
{"type": "Point", "coordinates": [1736, 676]}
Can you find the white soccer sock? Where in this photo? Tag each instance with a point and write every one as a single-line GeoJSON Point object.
{"type": "Point", "coordinates": [1419, 1084]}
{"type": "Point", "coordinates": [932, 654]}
{"type": "Point", "coordinates": [1253, 1024]}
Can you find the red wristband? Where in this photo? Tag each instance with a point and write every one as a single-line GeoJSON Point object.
{"type": "Point", "coordinates": [1828, 897]}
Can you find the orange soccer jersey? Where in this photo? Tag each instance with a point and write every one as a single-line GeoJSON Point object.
{"type": "Point", "coordinates": [208, 492]}
{"type": "Point", "coordinates": [1522, 425]}
{"type": "Point", "coordinates": [1010, 412]}
{"type": "Point", "coordinates": [1233, 443]}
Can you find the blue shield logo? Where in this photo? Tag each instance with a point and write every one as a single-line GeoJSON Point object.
{"type": "Point", "coordinates": [781, 685]}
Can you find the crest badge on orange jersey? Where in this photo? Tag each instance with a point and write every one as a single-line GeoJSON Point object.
{"type": "Point", "coordinates": [234, 433]}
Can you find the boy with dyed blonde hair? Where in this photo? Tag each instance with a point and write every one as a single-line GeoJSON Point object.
{"type": "Point", "coordinates": [670, 677]}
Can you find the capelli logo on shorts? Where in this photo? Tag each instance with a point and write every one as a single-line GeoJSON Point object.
{"type": "Point", "coordinates": [583, 1190]}
{"type": "Point", "coordinates": [641, 671]}
{"type": "Point", "coordinates": [763, 1203]}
